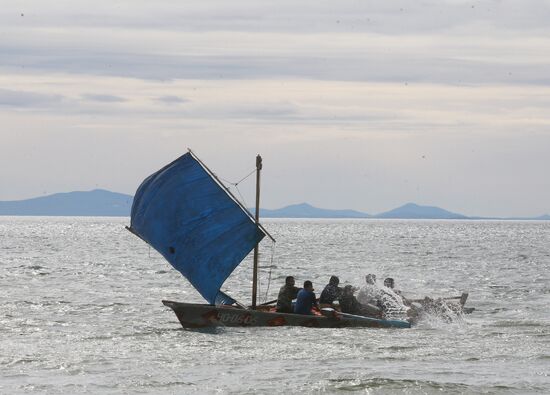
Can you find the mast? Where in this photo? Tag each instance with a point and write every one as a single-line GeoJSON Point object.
{"type": "Point", "coordinates": [257, 219]}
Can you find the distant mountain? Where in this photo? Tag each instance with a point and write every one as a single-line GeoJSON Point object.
{"type": "Point", "coordinates": [98, 202]}
{"type": "Point", "coordinates": [414, 211]}
{"type": "Point", "coordinates": [305, 210]}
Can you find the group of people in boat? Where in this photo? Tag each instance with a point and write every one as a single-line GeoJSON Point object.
{"type": "Point", "coordinates": [372, 300]}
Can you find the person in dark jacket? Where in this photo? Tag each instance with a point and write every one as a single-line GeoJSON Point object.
{"type": "Point", "coordinates": [306, 300]}
{"type": "Point", "coordinates": [287, 294]}
{"type": "Point", "coordinates": [331, 292]}
{"type": "Point", "coordinates": [348, 302]}
{"type": "Point", "coordinates": [350, 305]}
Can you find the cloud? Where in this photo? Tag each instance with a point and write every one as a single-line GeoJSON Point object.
{"type": "Point", "coordinates": [344, 57]}
{"type": "Point", "coordinates": [171, 99]}
{"type": "Point", "coordinates": [23, 99]}
{"type": "Point", "coordinates": [343, 98]}
{"type": "Point", "coordinates": [447, 42]}
{"type": "Point", "coordinates": [104, 98]}
{"type": "Point", "coordinates": [398, 17]}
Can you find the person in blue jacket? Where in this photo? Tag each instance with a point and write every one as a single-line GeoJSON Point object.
{"type": "Point", "coordinates": [306, 299]}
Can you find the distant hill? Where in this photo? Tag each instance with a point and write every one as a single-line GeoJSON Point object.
{"type": "Point", "coordinates": [304, 210]}
{"type": "Point", "coordinates": [98, 202]}
{"type": "Point", "coordinates": [414, 211]}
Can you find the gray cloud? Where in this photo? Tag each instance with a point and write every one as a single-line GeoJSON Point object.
{"type": "Point", "coordinates": [23, 99]}
{"type": "Point", "coordinates": [368, 66]}
{"type": "Point", "coordinates": [171, 99]}
{"type": "Point", "coordinates": [448, 42]}
{"type": "Point", "coordinates": [103, 98]}
{"type": "Point", "coordinates": [395, 17]}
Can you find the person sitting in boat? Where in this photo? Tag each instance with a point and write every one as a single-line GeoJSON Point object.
{"type": "Point", "coordinates": [331, 292]}
{"type": "Point", "coordinates": [369, 297]}
{"type": "Point", "coordinates": [390, 283]}
{"type": "Point", "coordinates": [348, 302]}
{"type": "Point", "coordinates": [350, 305]}
{"type": "Point", "coordinates": [390, 300]}
{"type": "Point", "coordinates": [287, 294]}
{"type": "Point", "coordinates": [306, 300]}
{"type": "Point", "coordinates": [369, 292]}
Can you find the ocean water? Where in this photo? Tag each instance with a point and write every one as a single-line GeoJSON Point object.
{"type": "Point", "coordinates": [81, 311]}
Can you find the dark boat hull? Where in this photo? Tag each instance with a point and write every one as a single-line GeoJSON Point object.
{"type": "Point", "coordinates": [202, 316]}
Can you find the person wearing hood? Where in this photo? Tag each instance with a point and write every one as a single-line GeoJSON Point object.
{"type": "Point", "coordinates": [331, 292]}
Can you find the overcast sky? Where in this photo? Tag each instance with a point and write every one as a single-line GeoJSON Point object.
{"type": "Point", "coordinates": [352, 104]}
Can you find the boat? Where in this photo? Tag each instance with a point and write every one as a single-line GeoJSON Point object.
{"type": "Point", "coordinates": [201, 316]}
{"type": "Point", "coordinates": [192, 219]}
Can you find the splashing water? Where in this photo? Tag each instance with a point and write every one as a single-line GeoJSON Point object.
{"type": "Point", "coordinates": [439, 311]}
{"type": "Point", "coordinates": [385, 298]}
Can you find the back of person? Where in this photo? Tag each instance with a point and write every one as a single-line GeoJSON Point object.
{"type": "Point", "coordinates": [305, 300]}
{"type": "Point", "coordinates": [369, 292]}
{"type": "Point", "coordinates": [287, 294]}
{"type": "Point", "coordinates": [391, 303]}
{"type": "Point", "coordinates": [348, 301]}
{"type": "Point", "coordinates": [331, 292]}
{"type": "Point", "coordinates": [368, 297]}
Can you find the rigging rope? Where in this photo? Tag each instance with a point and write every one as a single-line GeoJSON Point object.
{"type": "Point", "coordinates": [236, 185]}
{"type": "Point", "coordinates": [241, 196]}
{"type": "Point", "coordinates": [270, 269]}
{"type": "Point", "coordinates": [241, 180]}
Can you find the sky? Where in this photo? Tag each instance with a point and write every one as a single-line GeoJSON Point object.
{"type": "Point", "coordinates": [357, 104]}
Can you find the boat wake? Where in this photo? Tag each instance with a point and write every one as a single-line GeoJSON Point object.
{"type": "Point", "coordinates": [437, 313]}
{"type": "Point", "coordinates": [432, 311]}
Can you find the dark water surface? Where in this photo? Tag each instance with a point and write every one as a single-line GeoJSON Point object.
{"type": "Point", "coordinates": [81, 312]}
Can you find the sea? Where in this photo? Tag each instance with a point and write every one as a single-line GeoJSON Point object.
{"type": "Point", "coordinates": [81, 311]}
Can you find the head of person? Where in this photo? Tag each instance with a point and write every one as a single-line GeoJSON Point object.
{"type": "Point", "coordinates": [389, 282]}
{"type": "Point", "coordinates": [334, 280]}
{"type": "Point", "coordinates": [289, 281]}
{"type": "Point", "coordinates": [370, 278]}
{"type": "Point", "coordinates": [308, 285]}
{"type": "Point", "coordinates": [348, 290]}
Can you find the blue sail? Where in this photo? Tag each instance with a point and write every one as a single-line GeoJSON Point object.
{"type": "Point", "coordinates": [184, 214]}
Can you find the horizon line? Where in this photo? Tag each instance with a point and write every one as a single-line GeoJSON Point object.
{"type": "Point", "coordinates": [46, 195]}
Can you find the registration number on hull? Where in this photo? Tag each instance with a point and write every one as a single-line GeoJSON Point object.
{"type": "Point", "coordinates": [232, 318]}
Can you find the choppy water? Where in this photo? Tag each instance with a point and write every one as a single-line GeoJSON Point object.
{"type": "Point", "coordinates": [81, 312]}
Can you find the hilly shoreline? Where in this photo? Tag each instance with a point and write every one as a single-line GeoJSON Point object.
{"type": "Point", "coordinates": [100, 202]}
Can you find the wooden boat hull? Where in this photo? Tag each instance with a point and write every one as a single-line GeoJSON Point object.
{"type": "Point", "coordinates": [202, 316]}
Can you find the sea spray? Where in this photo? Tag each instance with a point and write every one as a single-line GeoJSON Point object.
{"type": "Point", "coordinates": [391, 303]}
{"type": "Point", "coordinates": [440, 310]}
{"type": "Point", "coordinates": [384, 298]}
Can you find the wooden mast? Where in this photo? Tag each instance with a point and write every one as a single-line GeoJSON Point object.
{"type": "Point", "coordinates": [257, 219]}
